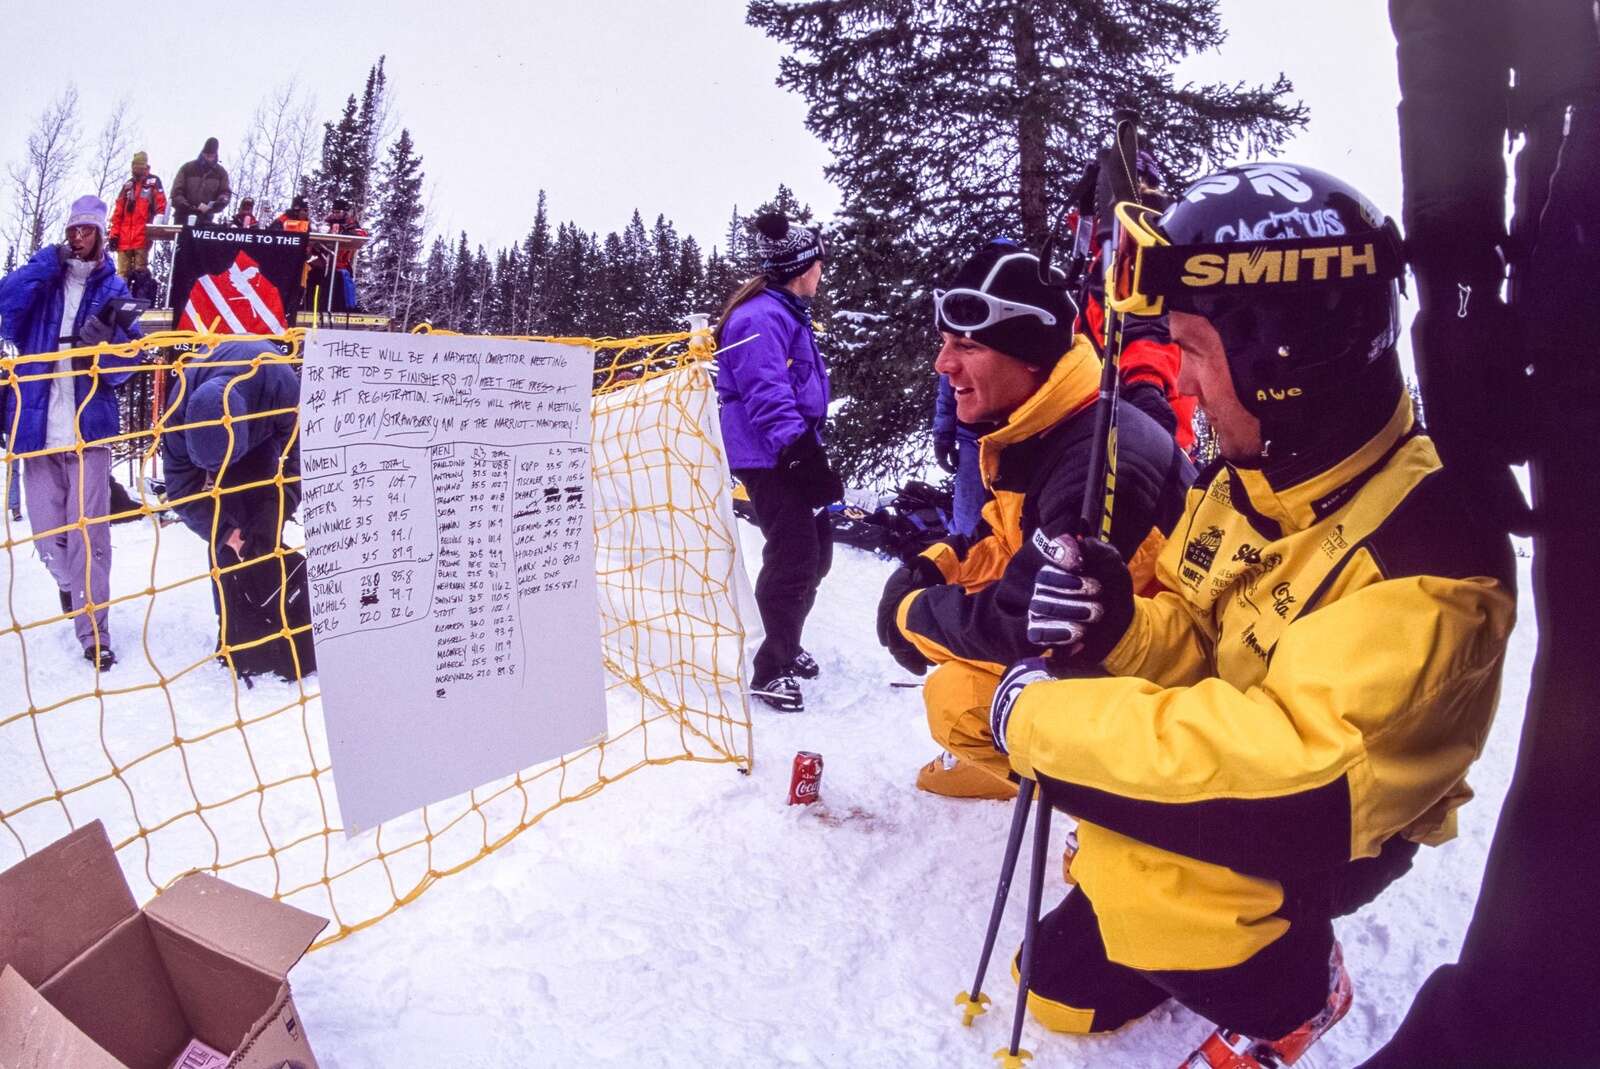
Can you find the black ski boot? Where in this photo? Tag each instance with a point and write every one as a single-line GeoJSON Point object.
{"type": "Point", "coordinates": [805, 666]}
{"type": "Point", "coordinates": [782, 692]}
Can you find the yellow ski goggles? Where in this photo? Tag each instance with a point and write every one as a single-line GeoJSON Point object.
{"type": "Point", "coordinates": [1147, 275]}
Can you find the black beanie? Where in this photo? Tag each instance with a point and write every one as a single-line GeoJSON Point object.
{"type": "Point", "coordinates": [1025, 337]}
{"type": "Point", "coordinates": [210, 146]}
{"type": "Point", "coordinates": [787, 251]}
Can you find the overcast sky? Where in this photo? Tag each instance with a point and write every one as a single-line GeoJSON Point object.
{"type": "Point", "coordinates": [608, 105]}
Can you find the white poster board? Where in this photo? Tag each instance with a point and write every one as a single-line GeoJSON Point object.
{"type": "Point", "coordinates": [446, 507]}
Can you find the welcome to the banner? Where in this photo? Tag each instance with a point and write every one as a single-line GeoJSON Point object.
{"type": "Point", "coordinates": [232, 281]}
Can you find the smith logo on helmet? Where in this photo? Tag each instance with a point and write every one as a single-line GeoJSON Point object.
{"type": "Point", "coordinates": [1268, 265]}
{"type": "Point", "coordinates": [1216, 268]}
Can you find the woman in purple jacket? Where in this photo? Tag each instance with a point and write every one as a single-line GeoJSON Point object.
{"type": "Point", "coordinates": [772, 389]}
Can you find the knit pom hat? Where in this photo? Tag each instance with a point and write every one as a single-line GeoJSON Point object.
{"type": "Point", "coordinates": [88, 210]}
{"type": "Point", "coordinates": [787, 250]}
{"type": "Point", "coordinates": [1004, 270]}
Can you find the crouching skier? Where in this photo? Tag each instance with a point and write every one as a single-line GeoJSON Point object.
{"type": "Point", "coordinates": [1297, 709]}
{"type": "Point", "coordinates": [961, 607]}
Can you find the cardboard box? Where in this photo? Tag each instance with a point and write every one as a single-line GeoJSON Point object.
{"type": "Point", "coordinates": [88, 979]}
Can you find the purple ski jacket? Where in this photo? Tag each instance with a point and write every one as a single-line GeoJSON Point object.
{"type": "Point", "coordinates": [773, 388]}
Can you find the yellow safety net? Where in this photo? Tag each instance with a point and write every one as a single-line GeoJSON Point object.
{"type": "Point", "coordinates": [194, 766]}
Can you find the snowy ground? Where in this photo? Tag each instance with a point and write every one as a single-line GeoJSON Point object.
{"type": "Point", "coordinates": [687, 916]}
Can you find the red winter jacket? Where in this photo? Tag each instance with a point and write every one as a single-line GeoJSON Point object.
{"type": "Point", "coordinates": [1148, 355]}
{"type": "Point", "coordinates": [138, 202]}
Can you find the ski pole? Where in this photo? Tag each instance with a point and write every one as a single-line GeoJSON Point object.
{"type": "Point", "coordinates": [1012, 1057]}
{"type": "Point", "coordinates": [974, 1002]}
{"type": "Point", "coordinates": [1094, 516]}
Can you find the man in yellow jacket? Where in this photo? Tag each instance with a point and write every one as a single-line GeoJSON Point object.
{"type": "Point", "coordinates": [1018, 372]}
{"type": "Point", "coordinates": [1297, 708]}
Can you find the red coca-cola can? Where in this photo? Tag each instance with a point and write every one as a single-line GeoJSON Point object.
{"type": "Point", "coordinates": [805, 785]}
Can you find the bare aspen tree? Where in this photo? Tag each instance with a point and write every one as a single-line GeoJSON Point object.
{"type": "Point", "coordinates": [38, 181]}
{"type": "Point", "coordinates": [276, 148]}
{"type": "Point", "coordinates": [113, 150]}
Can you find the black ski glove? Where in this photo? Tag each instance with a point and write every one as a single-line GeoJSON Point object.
{"type": "Point", "coordinates": [1017, 677]}
{"type": "Point", "coordinates": [947, 454]}
{"type": "Point", "coordinates": [1082, 600]}
{"type": "Point", "coordinates": [920, 574]}
{"type": "Point", "coordinates": [111, 244]}
{"type": "Point", "coordinates": [97, 329]}
{"type": "Point", "coordinates": [806, 465]}
{"type": "Point", "coordinates": [63, 254]}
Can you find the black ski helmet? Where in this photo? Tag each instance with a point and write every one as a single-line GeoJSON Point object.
{"type": "Point", "coordinates": [1298, 272]}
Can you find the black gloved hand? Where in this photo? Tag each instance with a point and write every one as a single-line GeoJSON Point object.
{"type": "Point", "coordinates": [806, 464]}
{"type": "Point", "coordinates": [63, 254]}
{"type": "Point", "coordinates": [96, 329]}
{"type": "Point", "coordinates": [1082, 600]}
{"type": "Point", "coordinates": [947, 454]}
{"type": "Point", "coordinates": [918, 575]}
{"type": "Point", "coordinates": [1017, 677]}
{"type": "Point", "coordinates": [111, 244]}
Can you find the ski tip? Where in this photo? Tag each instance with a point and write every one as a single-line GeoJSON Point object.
{"type": "Point", "coordinates": [971, 1007]}
{"type": "Point", "coordinates": [1009, 1060]}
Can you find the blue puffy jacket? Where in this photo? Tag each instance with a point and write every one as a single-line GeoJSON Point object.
{"type": "Point", "coordinates": [773, 388]}
{"type": "Point", "coordinates": [254, 451]}
{"type": "Point", "coordinates": [945, 425]}
{"type": "Point", "coordinates": [31, 301]}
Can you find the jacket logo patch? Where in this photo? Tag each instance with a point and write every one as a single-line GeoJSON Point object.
{"type": "Point", "coordinates": [1199, 555]}
{"type": "Point", "coordinates": [1335, 543]}
{"type": "Point", "coordinates": [1202, 548]}
{"type": "Point", "coordinates": [1282, 599]}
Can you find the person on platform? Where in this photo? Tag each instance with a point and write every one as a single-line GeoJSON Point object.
{"type": "Point", "coordinates": [1016, 367]}
{"type": "Point", "coordinates": [1265, 740]}
{"type": "Point", "coordinates": [245, 217]}
{"type": "Point", "coordinates": [341, 220]}
{"type": "Point", "coordinates": [64, 410]}
{"type": "Point", "coordinates": [201, 188]}
{"type": "Point", "coordinates": [296, 219]}
{"type": "Point", "coordinates": [140, 201]}
{"type": "Point", "coordinates": [772, 391]}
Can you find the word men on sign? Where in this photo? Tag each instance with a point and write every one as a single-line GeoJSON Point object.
{"type": "Point", "coordinates": [447, 516]}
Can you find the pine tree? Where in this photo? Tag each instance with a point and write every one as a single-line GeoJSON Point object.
{"type": "Point", "coordinates": [535, 256]}
{"type": "Point", "coordinates": [350, 149]}
{"type": "Point", "coordinates": [335, 174]}
{"type": "Point", "coordinates": [391, 263]}
{"type": "Point", "coordinates": [953, 123]}
{"type": "Point", "coordinates": [434, 306]}
{"type": "Point", "coordinates": [368, 135]}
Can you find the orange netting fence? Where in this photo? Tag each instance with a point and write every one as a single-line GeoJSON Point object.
{"type": "Point", "coordinates": [194, 767]}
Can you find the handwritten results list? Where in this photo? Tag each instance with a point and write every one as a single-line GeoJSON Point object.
{"type": "Point", "coordinates": [448, 524]}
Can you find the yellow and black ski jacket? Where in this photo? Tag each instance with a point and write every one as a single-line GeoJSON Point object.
{"type": "Point", "coordinates": [1034, 469]}
{"type": "Point", "coordinates": [1317, 677]}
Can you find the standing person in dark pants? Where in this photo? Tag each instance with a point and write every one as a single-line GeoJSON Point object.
{"type": "Point", "coordinates": [955, 447]}
{"type": "Point", "coordinates": [772, 389]}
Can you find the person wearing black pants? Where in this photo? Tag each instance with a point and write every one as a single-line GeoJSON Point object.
{"type": "Point", "coordinates": [798, 554]}
{"type": "Point", "coordinates": [772, 393]}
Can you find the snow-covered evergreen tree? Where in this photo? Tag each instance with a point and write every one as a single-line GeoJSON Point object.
{"type": "Point", "coordinates": [952, 123]}
{"type": "Point", "coordinates": [392, 268]}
